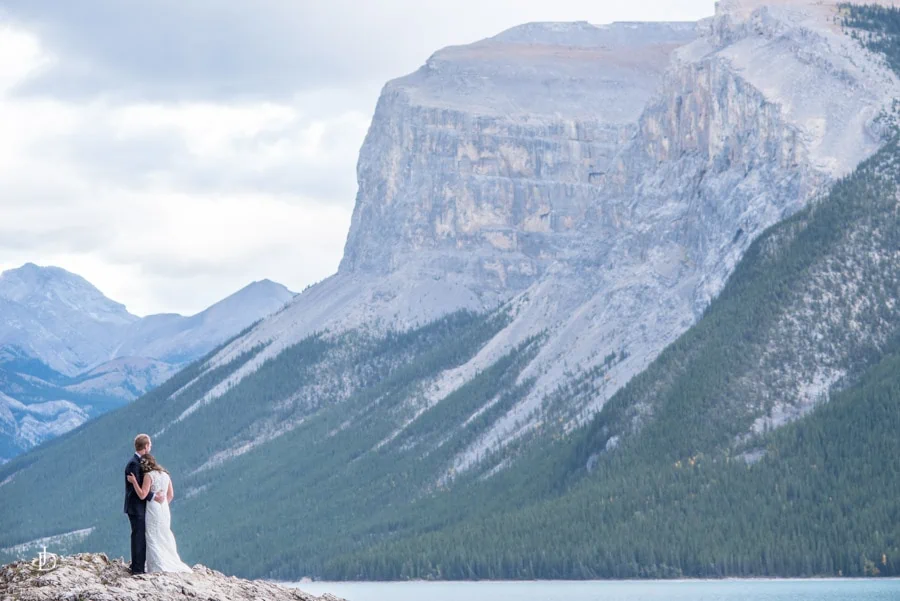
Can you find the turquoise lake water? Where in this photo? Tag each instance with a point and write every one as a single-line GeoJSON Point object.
{"type": "Point", "coordinates": [681, 590]}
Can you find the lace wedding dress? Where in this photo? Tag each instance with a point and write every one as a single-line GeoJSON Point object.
{"type": "Point", "coordinates": [162, 554]}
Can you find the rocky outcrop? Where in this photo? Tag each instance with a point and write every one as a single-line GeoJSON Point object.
{"type": "Point", "coordinates": [94, 576]}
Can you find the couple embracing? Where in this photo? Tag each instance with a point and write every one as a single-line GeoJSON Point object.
{"type": "Point", "coordinates": [148, 490]}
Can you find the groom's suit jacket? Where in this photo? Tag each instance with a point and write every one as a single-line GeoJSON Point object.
{"type": "Point", "coordinates": [134, 505]}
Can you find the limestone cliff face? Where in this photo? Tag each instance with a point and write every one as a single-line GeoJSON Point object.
{"type": "Point", "coordinates": [479, 171]}
{"type": "Point", "coordinates": [488, 159]}
{"type": "Point", "coordinates": [753, 120]}
{"type": "Point", "coordinates": [604, 181]}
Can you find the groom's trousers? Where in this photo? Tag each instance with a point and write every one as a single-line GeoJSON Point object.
{"type": "Point", "coordinates": [138, 543]}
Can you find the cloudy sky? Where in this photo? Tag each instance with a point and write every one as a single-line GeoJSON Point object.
{"type": "Point", "coordinates": [173, 151]}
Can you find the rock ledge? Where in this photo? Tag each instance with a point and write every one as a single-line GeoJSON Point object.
{"type": "Point", "coordinates": [94, 576]}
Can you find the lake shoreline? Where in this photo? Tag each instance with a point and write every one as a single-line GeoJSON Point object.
{"type": "Point", "coordinates": [732, 589]}
{"type": "Point", "coordinates": [618, 580]}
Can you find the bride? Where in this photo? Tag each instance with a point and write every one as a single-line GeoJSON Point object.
{"type": "Point", "coordinates": [162, 554]}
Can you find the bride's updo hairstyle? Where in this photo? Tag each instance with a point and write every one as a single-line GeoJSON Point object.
{"type": "Point", "coordinates": [148, 464]}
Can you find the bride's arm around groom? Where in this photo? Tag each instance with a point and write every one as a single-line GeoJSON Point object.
{"type": "Point", "coordinates": [143, 491]}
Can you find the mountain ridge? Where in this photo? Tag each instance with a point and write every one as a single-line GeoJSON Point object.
{"type": "Point", "coordinates": [640, 222]}
{"type": "Point", "coordinates": [692, 469]}
{"type": "Point", "coordinates": [68, 353]}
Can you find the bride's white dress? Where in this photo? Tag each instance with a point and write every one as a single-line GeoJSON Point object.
{"type": "Point", "coordinates": [162, 554]}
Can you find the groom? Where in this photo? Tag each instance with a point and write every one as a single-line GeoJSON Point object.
{"type": "Point", "coordinates": [135, 506]}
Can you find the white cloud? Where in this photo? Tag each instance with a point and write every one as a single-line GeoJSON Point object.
{"type": "Point", "coordinates": [181, 252]}
{"type": "Point", "coordinates": [178, 229]}
{"type": "Point", "coordinates": [21, 57]}
{"type": "Point", "coordinates": [207, 129]}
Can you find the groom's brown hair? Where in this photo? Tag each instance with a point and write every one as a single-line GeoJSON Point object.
{"type": "Point", "coordinates": [141, 441]}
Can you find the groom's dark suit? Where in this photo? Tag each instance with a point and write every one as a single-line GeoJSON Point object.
{"type": "Point", "coordinates": [135, 507]}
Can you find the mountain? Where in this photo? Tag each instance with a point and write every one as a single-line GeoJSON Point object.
{"type": "Point", "coordinates": [125, 377]}
{"type": "Point", "coordinates": [61, 320]}
{"type": "Point", "coordinates": [606, 186]}
{"type": "Point", "coordinates": [178, 339]}
{"type": "Point", "coordinates": [24, 426]}
{"type": "Point", "coordinates": [701, 465]}
{"type": "Point", "coordinates": [68, 353]}
{"type": "Point", "coordinates": [520, 354]}
{"type": "Point", "coordinates": [58, 318]}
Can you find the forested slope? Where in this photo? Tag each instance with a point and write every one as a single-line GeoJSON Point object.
{"type": "Point", "coordinates": [683, 473]}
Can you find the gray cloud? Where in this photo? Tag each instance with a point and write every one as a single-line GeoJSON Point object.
{"type": "Point", "coordinates": [76, 239]}
{"type": "Point", "coordinates": [176, 49]}
{"type": "Point", "coordinates": [274, 48]}
{"type": "Point", "coordinates": [210, 48]}
{"type": "Point", "coordinates": [160, 156]}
